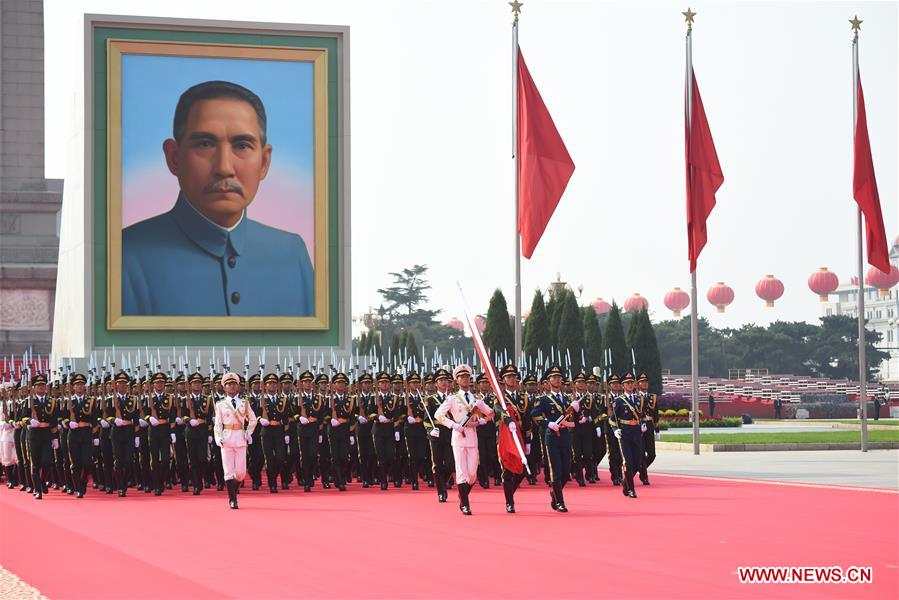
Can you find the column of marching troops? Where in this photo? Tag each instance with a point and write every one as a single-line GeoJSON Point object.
{"type": "Point", "coordinates": [155, 433]}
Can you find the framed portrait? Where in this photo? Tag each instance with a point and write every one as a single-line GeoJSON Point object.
{"type": "Point", "coordinates": [216, 191]}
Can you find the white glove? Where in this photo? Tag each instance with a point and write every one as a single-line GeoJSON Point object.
{"type": "Point", "coordinates": [553, 426]}
{"type": "Point", "coordinates": [179, 421]}
{"type": "Point", "coordinates": [643, 427]}
{"type": "Point", "coordinates": [362, 420]}
{"type": "Point", "coordinates": [209, 440]}
{"type": "Point", "coordinates": [335, 423]}
{"type": "Point", "coordinates": [513, 427]}
{"type": "Point", "coordinates": [119, 422]}
{"type": "Point", "coordinates": [599, 432]}
{"type": "Point", "coordinates": [104, 423]}
{"type": "Point", "coordinates": [458, 427]}
{"type": "Point", "coordinates": [482, 421]}
{"type": "Point", "coordinates": [34, 422]}
{"type": "Point", "coordinates": [411, 420]}
{"type": "Point", "coordinates": [96, 441]}
{"type": "Point", "coordinates": [618, 433]}
{"type": "Point", "coordinates": [287, 439]}
{"type": "Point", "coordinates": [17, 426]}
{"type": "Point", "coordinates": [54, 444]}
{"type": "Point", "coordinates": [352, 441]}
{"type": "Point", "coordinates": [484, 408]}
{"type": "Point", "coordinates": [434, 432]}
{"type": "Point", "coordinates": [575, 406]}
{"type": "Point", "coordinates": [396, 435]}
{"type": "Point", "coordinates": [527, 449]}
{"type": "Point", "coordinates": [382, 419]}
{"type": "Point", "coordinates": [304, 420]}
{"type": "Point", "coordinates": [137, 442]}
{"type": "Point", "coordinates": [142, 422]}
{"type": "Point", "coordinates": [172, 435]}
{"type": "Point", "coordinates": [218, 443]}
{"type": "Point", "coordinates": [249, 439]}
{"type": "Point", "coordinates": [263, 422]}
{"type": "Point", "coordinates": [582, 420]}
{"type": "Point", "coordinates": [194, 422]}
{"type": "Point", "coordinates": [153, 421]}
{"type": "Point", "coordinates": [320, 439]}
{"type": "Point", "coordinates": [73, 425]}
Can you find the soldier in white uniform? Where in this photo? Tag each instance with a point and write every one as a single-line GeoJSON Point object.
{"type": "Point", "coordinates": [231, 414]}
{"type": "Point", "coordinates": [460, 412]}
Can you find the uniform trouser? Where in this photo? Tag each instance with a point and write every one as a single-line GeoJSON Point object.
{"type": "Point", "coordinates": [234, 461]}
{"type": "Point", "coordinates": [441, 454]}
{"type": "Point", "coordinates": [466, 458]}
{"type": "Point", "coordinates": [275, 451]}
{"type": "Point", "coordinates": [293, 464]}
{"type": "Point", "coordinates": [340, 452]}
{"type": "Point", "coordinates": [632, 451]}
{"type": "Point", "coordinates": [416, 447]}
{"type": "Point", "coordinates": [558, 455]}
{"type": "Point", "coordinates": [324, 457]}
{"type": "Point", "coordinates": [649, 449]}
{"type": "Point", "coordinates": [107, 458]}
{"type": "Point", "coordinates": [256, 459]}
{"type": "Point", "coordinates": [366, 445]}
{"type": "Point", "coordinates": [182, 460]}
{"type": "Point", "coordinates": [22, 457]}
{"type": "Point", "coordinates": [352, 465]}
{"type": "Point", "coordinates": [511, 481]}
{"type": "Point", "coordinates": [489, 466]}
{"type": "Point", "coordinates": [196, 439]}
{"type": "Point", "coordinates": [308, 452]}
{"type": "Point", "coordinates": [582, 448]}
{"type": "Point", "coordinates": [63, 465]}
{"type": "Point", "coordinates": [80, 451]}
{"type": "Point", "coordinates": [216, 469]}
{"type": "Point", "coordinates": [8, 453]}
{"type": "Point", "coordinates": [160, 454]}
{"type": "Point", "coordinates": [123, 453]}
{"type": "Point", "coordinates": [385, 449]}
{"type": "Point", "coordinates": [599, 445]}
{"type": "Point", "coordinates": [144, 464]}
{"type": "Point", "coordinates": [614, 451]}
{"type": "Point", "coordinates": [40, 451]}
{"type": "Point", "coordinates": [400, 456]}
{"type": "Point", "coordinates": [535, 457]}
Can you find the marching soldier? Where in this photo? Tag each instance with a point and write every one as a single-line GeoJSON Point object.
{"type": "Point", "coordinates": [651, 421]}
{"type": "Point", "coordinates": [386, 438]}
{"type": "Point", "coordinates": [534, 438]}
{"type": "Point", "coordinates": [199, 412]}
{"type": "Point", "coordinates": [440, 435]}
{"type": "Point", "coordinates": [179, 428]}
{"type": "Point", "coordinates": [125, 439]}
{"type": "Point", "coordinates": [274, 437]}
{"type": "Point", "coordinates": [322, 383]}
{"type": "Point", "coordinates": [234, 424]}
{"type": "Point", "coordinates": [142, 464]}
{"type": "Point", "coordinates": [613, 448]}
{"type": "Point", "coordinates": [489, 464]}
{"type": "Point", "coordinates": [557, 411]}
{"type": "Point", "coordinates": [83, 413]}
{"type": "Point", "coordinates": [400, 455]}
{"type": "Point", "coordinates": [161, 411]}
{"type": "Point", "coordinates": [368, 414]}
{"type": "Point", "coordinates": [582, 437]}
{"type": "Point", "coordinates": [343, 413]}
{"type": "Point", "coordinates": [310, 407]}
{"type": "Point", "coordinates": [512, 417]}
{"type": "Point", "coordinates": [255, 459]}
{"type": "Point", "coordinates": [597, 416]}
{"type": "Point", "coordinates": [8, 455]}
{"type": "Point", "coordinates": [627, 424]}
{"type": "Point", "coordinates": [42, 436]}
{"type": "Point", "coordinates": [292, 463]}
{"type": "Point", "coordinates": [416, 439]}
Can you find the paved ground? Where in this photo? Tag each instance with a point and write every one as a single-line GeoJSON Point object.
{"type": "Point", "coordinates": [11, 587]}
{"type": "Point", "coordinates": [876, 468]}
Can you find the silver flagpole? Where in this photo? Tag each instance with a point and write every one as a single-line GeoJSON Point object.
{"type": "Point", "coordinates": [694, 318]}
{"type": "Point", "coordinates": [862, 370]}
{"type": "Point", "coordinates": [516, 10]}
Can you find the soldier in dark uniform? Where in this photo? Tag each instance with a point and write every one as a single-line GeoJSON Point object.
{"type": "Point", "coordinates": [400, 455]}
{"type": "Point", "coordinates": [106, 461]}
{"type": "Point", "coordinates": [440, 436]}
{"type": "Point", "coordinates": [63, 462]}
{"type": "Point", "coordinates": [126, 412]}
{"type": "Point", "coordinates": [582, 437]}
{"type": "Point", "coordinates": [515, 413]}
{"type": "Point", "coordinates": [199, 412]}
{"type": "Point", "coordinates": [179, 427]}
{"type": "Point", "coordinates": [533, 437]}
{"type": "Point", "coordinates": [254, 451]}
{"type": "Point", "coordinates": [160, 414]}
{"type": "Point", "coordinates": [42, 436]}
{"type": "Point", "coordinates": [488, 465]}
{"type": "Point", "coordinates": [597, 416]}
{"type": "Point", "coordinates": [416, 438]}
{"type": "Point", "coordinates": [343, 413]}
{"type": "Point", "coordinates": [274, 424]}
{"type": "Point", "coordinates": [386, 438]}
{"type": "Point", "coordinates": [217, 472]}
{"type": "Point", "coordinates": [557, 411]}
{"type": "Point", "coordinates": [142, 465]}
{"type": "Point", "coordinates": [612, 446]}
{"type": "Point", "coordinates": [310, 406]}
{"type": "Point", "coordinates": [322, 384]}
{"type": "Point", "coordinates": [368, 414]}
{"type": "Point", "coordinates": [21, 416]}
{"type": "Point", "coordinates": [626, 420]}
{"type": "Point", "coordinates": [651, 420]}
{"type": "Point", "coordinates": [292, 462]}
{"type": "Point", "coordinates": [82, 418]}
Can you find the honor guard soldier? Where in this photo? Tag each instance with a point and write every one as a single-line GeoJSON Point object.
{"type": "Point", "coordinates": [234, 424]}
{"type": "Point", "coordinates": [439, 435]}
{"type": "Point", "coordinates": [274, 438]}
{"type": "Point", "coordinates": [533, 440]}
{"type": "Point", "coordinates": [8, 455]}
{"type": "Point", "coordinates": [61, 394]}
{"type": "Point", "coordinates": [582, 437]}
{"type": "Point", "coordinates": [126, 412]}
{"type": "Point", "coordinates": [21, 415]}
{"type": "Point", "coordinates": [400, 455]}
{"type": "Point", "coordinates": [343, 413]}
{"type": "Point", "coordinates": [217, 472]}
{"type": "Point", "coordinates": [199, 412]}
{"type": "Point", "coordinates": [141, 466]}
{"type": "Point", "coordinates": [651, 420]}
{"type": "Point", "coordinates": [255, 459]}
{"type": "Point", "coordinates": [161, 411]}
{"type": "Point", "coordinates": [42, 435]}
{"type": "Point", "coordinates": [368, 414]}
{"type": "Point", "coordinates": [310, 407]}
{"type": "Point", "coordinates": [515, 418]}
{"type": "Point", "coordinates": [386, 437]}
{"type": "Point", "coordinates": [83, 414]}
{"type": "Point", "coordinates": [612, 446]}
{"type": "Point", "coordinates": [179, 427]}
{"type": "Point", "coordinates": [416, 438]}
{"type": "Point", "coordinates": [323, 383]}
{"type": "Point", "coordinates": [557, 411]}
{"type": "Point", "coordinates": [292, 465]}
{"type": "Point", "coordinates": [489, 463]}
{"type": "Point", "coordinates": [626, 420]}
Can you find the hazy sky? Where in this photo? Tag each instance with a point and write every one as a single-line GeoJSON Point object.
{"type": "Point", "coordinates": [432, 175]}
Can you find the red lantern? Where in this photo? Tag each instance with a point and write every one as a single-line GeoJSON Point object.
{"type": "Point", "coordinates": [601, 306]}
{"type": "Point", "coordinates": [882, 281]}
{"type": "Point", "coordinates": [677, 300]}
{"type": "Point", "coordinates": [823, 282]}
{"type": "Point", "coordinates": [769, 289]}
{"type": "Point", "coordinates": [720, 295]}
{"type": "Point", "coordinates": [636, 302]}
{"type": "Point", "coordinates": [456, 324]}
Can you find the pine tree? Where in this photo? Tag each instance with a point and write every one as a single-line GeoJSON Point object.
{"type": "Point", "coordinates": [397, 342]}
{"type": "Point", "coordinates": [412, 349]}
{"type": "Point", "coordinates": [646, 351]}
{"type": "Point", "coordinates": [592, 339]}
{"type": "Point", "coordinates": [571, 331]}
{"type": "Point", "coordinates": [498, 336]}
{"type": "Point", "coordinates": [553, 312]}
{"type": "Point", "coordinates": [362, 345]}
{"type": "Point", "coordinates": [536, 337]}
{"type": "Point", "coordinates": [613, 337]}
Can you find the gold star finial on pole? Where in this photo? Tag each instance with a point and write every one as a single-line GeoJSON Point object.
{"type": "Point", "coordinates": [688, 17]}
{"type": "Point", "coordinates": [856, 25]}
{"type": "Point", "coordinates": [516, 8]}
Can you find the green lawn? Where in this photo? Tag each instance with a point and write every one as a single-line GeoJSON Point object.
{"type": "Point", "coordinates": [802, 437]}
{"type": "Point", "coordinates": [856, 421]}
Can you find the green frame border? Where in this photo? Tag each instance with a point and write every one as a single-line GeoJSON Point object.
{"type": "Point", "coordinates": [105, 337]}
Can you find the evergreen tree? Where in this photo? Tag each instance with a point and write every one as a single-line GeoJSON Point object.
{"type": "Point", "coordinates": [363, 343]}
{"type": "Point", "coordinates": [592, 339]}
{"type": "Point", "coordinates": [613, 338]}
{"type": "Point", "coordinates": [571, 331]}
{"type": "Point", "coordinates": [498, 336]}
{"type": "Point", "coordinates": [397, 342]}
{"type": "Point", "coordinates": [646, 350]}
{"type": "Point", "coordinates": [552, 319]}
{"type": "Point", "coordinates": [536, 335]}
{"type": "Point", "coordinates": [412, 349]}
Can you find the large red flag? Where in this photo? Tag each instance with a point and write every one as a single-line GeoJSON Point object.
{"type": "Point", "coordinates": [544, 166]}
{"type": "Point", "coordinates": [864, 187]}
{"type": "Point", "coordinates": [704, 176]}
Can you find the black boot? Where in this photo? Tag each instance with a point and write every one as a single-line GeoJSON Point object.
{"type": "Point", "coordinates": [464, 488]}
{"type": "Point", "coordinates": [631, 491]}
{"type": "Point", "coordinates": [232, 493]}
{"type": "Point", "coordinates": [560, 499]}
{"type": "Point", "coordinates": [272, 481]}
{"type": "Point", "coordinates": [509, 492]}
{"type": "Point", "coordinates": [644, 476]}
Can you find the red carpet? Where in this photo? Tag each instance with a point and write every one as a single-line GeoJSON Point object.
{"type": "Point", "coordinates": [683, 537]}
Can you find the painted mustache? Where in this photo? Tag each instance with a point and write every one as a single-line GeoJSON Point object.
{"type": "Point", "coordinates": [223, 185]}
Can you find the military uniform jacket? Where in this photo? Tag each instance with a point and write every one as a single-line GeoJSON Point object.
{"type": "Point", "coordinates": [85, 410]}
{"type": "Point", "coordinates": [345, 411]}
{"type": "Point", "coordinates": [393, 409]}
{"type": "Point", "coordinates": [627, 411]}
{"type": "Point", "coordinates": [230, 420]}
{"type": "Point", "coordinates": [163, 405]}
{"type": "Point", "coordinates": [126, 407]}
{"type": "Point", "coordinates": [651, 410]}
{"type": "Point", "coordinates": [44, 410]}
{"type": "Point", "coordinates": [549, 407]}
{"type": "Point", "coordinates": [199, 407]}
{"type": "Point", "coordinates": [367, 408]}
{"type": "Point", "coordinates": [276, 410]}
{"type": "Point", "coordinates": [585, 412]}
{"type": "Point", "coordinates": [416, 408]}
{"type": "Point", "coordinates": [432, 403]}
{"type": "Point", "coordinates": [314, 405]}
{"type": "Point", "coordinates": [456, 409]}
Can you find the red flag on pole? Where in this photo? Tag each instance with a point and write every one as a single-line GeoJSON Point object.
{"type": "Point", "coordinates": [704, 175]}
{"type": "Point", "coordinates": [864, 187]}
{"type": "Point", "coordinates": [544, 165]}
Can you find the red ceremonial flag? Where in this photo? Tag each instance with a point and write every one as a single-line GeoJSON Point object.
{"type": "Point", "coordinates": [704, 176]}
{"type": "Point", "coordinates": [509, 456]}
{"type": "Point", "coordinates": [544, 165]}
{"type": "Point", "coordinates": [864, 187]}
